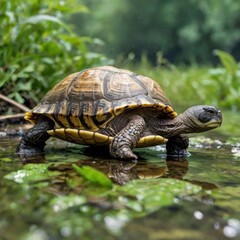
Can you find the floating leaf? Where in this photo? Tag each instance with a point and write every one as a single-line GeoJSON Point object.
{"type": "Point", "coordinates": [93, 175]}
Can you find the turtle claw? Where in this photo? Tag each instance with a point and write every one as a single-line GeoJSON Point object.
{"type": "Point", "coordinates": [128, 155]}
{"type": "Point", "coordinates": [122, 153]}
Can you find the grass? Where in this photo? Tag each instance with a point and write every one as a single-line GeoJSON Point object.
{"type": "Point", "coordinates": [192, 85]}
{"type": "Point", "coordinates": [183, 86]}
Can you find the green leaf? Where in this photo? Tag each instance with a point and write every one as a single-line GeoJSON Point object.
{"type": "Point", "coordinates": [42, 17]}
{"type": "Point", "coordinates": [93, 175]}
{"type": "Point", "coordinates": [18, 97]}
{"type": "Point", "coordinates": [227, 60]}
{"type": "Point", "coordinates": [5, 78]}
{"type": "Point", "coordinates": [24, 86]}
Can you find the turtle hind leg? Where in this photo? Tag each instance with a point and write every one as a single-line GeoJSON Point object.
{"type": "Point", "coordinates": [33, 141]}
{"type": "Point", "coordinates": [177, 146]}
{"type": "Point", "coordinates": [126, 139]}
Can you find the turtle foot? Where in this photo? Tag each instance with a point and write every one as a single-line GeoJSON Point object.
{"type": "Point", "coordinates": [30, 154]}
{"type": "Point", "coordinates": [177, 146]}
{"type": "Point", "coordinates": [29, 149]}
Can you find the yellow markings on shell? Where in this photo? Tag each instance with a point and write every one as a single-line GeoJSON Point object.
{"type": "Point", "coordinates": [81, 136]}
{"type": "Point", "coordinates": [50, 110]}
{"type": "Point", "coordinates": [101, 117]}
{"type": "Point", "coordinates": [167, 109]}
{"type": "Point", "coordinates": [145, 105]}
{"type": "Point", "coordinates": [31, 117]}
{"type": "Point", "coordinates": [107, 117]}
{"type": "Point", "coordinates": [45, 109]}
{"type": "Point", "coordinates": [172, 114]}
{"type": "Point", "coordinates": [62, 115]}
{"type": "Point", "coordinates": [160, 106]}
{"type": "Point", "coordinates": [132, 105]}
{"type": "Point", "coordinates": [58, 133]}
{"type": "Point", "coordinates": [118, 110]}
{"type": "Point", "coordinates": [93, 138]}
{"type": "Point", "coordinates": [86, 135]}
{"type": "Point", "coordinates": [74, 117]}
{"type": "Point", "coordinates": [63, 120]}
{"type": "Point", "coordinates": [102, 139]}
{"type": "Point", "coordinates": [76, 121]}
{"type": "Point", "coordinates": [88, 120]}
{"type": "Point", "coordinates": [34, 115]}
{"type": "Point", "coordinates": [151, 140]}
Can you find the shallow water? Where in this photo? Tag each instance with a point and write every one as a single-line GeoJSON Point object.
{"type": "Point", "coordinates": [154, 198]}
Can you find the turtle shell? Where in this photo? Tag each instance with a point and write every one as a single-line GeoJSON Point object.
{"type": "Point", "coordinates": [91, 99]}
{"type": "Point", "coordinates": [97, 139]}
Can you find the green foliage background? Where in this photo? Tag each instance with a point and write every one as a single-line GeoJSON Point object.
{"type": "Point", "coordinates": [187, 86]}
{"type": "Point", "coordinates": [38, 47]}
{"type": "Point", "coordinates": [185, 31]}
{"type": "Point", "coordinates": [172, 41]}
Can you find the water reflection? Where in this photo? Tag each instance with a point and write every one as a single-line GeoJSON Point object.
{"type": "Point", "coordinates": [121, 171]}
{"type": "Point", "coordinates": [62, 156]}
{"type": "Point", "coordinates": [185, 218]}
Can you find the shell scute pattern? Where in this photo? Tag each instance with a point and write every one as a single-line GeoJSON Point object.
{"type": "Point", "coordinates": [85, 87]}
{"type": "Point", "coordinates": [90, 99]}
{"type": "Point", "coordinates": [122, 86]}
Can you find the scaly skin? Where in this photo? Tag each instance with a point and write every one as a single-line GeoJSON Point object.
{"type": "Point", "coordinates": [177, 145]}
{"type": "Point", "coordinates": [194, 119]}
{"type": "Point", "coordinates": [126, 139]}
{"type": "Point", "coordinates": [33, 141]}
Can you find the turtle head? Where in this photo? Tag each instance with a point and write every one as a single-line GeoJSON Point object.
{"type": "Point", "coordinates": [202, 118]}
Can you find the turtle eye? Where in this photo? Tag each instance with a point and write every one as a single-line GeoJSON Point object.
{"type": "Point", "coordinates": [207, 114]}
{"type": "Point", "coordinates": [209, 110]}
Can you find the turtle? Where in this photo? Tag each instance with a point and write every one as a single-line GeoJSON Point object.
{"type": "Point", "coordinates": [115, 108]}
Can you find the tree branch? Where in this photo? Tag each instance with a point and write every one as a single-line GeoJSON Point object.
{"type": "Point", "coordinates": [14, 103]}
{"type": "Point", "coordinates": [19, 115]}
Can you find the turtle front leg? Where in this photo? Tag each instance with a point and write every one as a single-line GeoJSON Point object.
{"type": "Point", "coordinates": [126, 139]}
{"type": "Point", "coordinates": [177, 145]}
{"type": "Point", "coordinates": [33, 141]}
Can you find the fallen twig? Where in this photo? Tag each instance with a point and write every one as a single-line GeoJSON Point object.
{"type": "Point", "coordinates": [14, 103]}
{"type": "Point", "coordinates": [19, 115]}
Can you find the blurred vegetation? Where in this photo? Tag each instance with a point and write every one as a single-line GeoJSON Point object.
{"type": "Point", "coordinates": [171, 41]}
{"type": "Point", "coordinates": [38, 48]}
{"type": "Point", "coordinates": [185, 31]}
{"type": "Point", "coordinates": [187, 86]}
